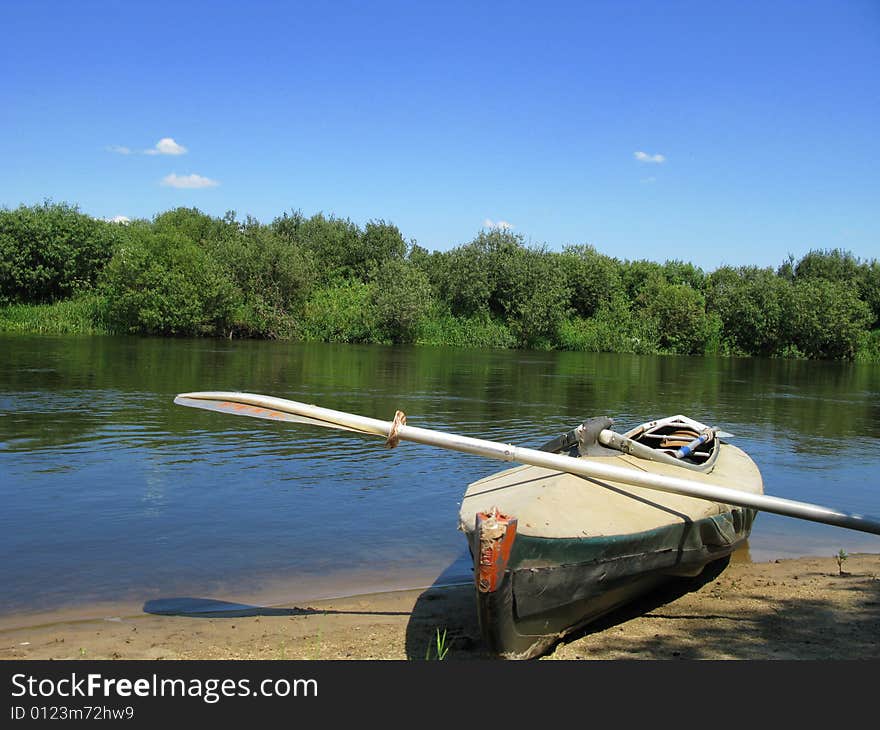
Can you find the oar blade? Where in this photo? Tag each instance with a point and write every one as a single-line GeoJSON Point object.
{"type": "Point", "coordinates": [246, 409]}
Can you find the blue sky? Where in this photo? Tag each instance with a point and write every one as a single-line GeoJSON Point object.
{"type": "Point", "coordinates": [716, 133]}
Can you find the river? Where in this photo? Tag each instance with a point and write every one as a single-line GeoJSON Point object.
{"type": "Point", "coordinates": [111, 493]}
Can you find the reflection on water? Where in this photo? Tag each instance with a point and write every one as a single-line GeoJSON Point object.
{"type": "Point", "coordinates": [110, 491]}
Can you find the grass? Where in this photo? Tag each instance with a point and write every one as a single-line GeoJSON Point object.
{"type": "Point", "coordinates": [841, 558]}
{"type": "Point", "coordinates": [440, 647]}
{"type": "Point", "coordinates": [78, 316]}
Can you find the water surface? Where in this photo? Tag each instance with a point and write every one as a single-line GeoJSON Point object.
{"type": "Point", "coordinates": [110, 492]}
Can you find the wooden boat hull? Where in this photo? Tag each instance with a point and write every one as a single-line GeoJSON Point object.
{"type": "Point", "coordinates": [553, 551]}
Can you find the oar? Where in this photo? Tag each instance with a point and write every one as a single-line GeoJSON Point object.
{"type": "Point", "coordinates": [280, 409]}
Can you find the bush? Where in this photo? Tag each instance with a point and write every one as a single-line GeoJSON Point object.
{"type": "Point", "coordinates": [593, 279]}
{"type": "Point", "coordinates": [198, 227]}
{"type": "Point", "coordinates": [613, 328]}
{"type": "Point", "coordinates": [826, 319]}
{"type": "Point", "coordinates": [683, 326]}
{"type": "Point", "coordinates": [164, 284]}
{"type": "Point", "coordinates": [869, 347]}
{"type": "Point", "coordinates": [273, 275]}
{"type": "Point", "coordinates": [680, 272]}
{"type": "Point", "coordinates": [400, 299]}
{"type": "Point", "coordinates": [832, 265]}
{"type": "Point", "coordinates": [462, 279]}
{"type": "Point", "coordinates": [869, 289]}
{"type": "Point", "coordinates": [339, 313]}
{"type": "Point", "coordinates": [52, 251]}
{"type": "Point", "coordinates": [751, 303]}
{"type": "Point", "coordinates": [441, 327]}
{"type": "Point", "coordinates": [540, 297]}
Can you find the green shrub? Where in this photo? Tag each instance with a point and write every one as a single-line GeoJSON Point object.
{"type": "Point", "coordinates": [339, 313]}
{"type": "Point", "coordinates": [613, 328]}
{"type": "Point", "coordinates": [444, 328]}
{"type": "Point", "coordinates": [593, 278]}
{"type": "Point", "coordinates": [399, 300]}
{"type": "Point", "coordinates": [683, 326]}
{"type": "Point", "coordinates": [752, 305]}
{"type": "Point", "coordinates": [682, 272]}
{"type": "Point", "coordinates": [51, 251]}
{"type": "Point", "coordinates": [826, 319]}
{"type": "Point", "coordinates": [163, 283]}
{"type": "Point", "coordinates": [462, 279]}
{"type": "Point", "coordinates": [869, 347]}
{"type": "Point", "coordinates": [832, 265]}
{"type": "Point", "coordinates": [198, 227]}
{"type": "Point", "coordinates": [273, 276]}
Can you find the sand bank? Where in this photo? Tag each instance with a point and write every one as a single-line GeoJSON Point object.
{"type": "Point", "coordinates": [791, 609]}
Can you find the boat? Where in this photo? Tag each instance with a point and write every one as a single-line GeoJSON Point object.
{"type": "Point", "coordinates": [588, 522]}
{"type": "Point", "coordinates": [554, 551]}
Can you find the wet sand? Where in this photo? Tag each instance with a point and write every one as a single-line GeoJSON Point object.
{"type": "Point", "coordinates": [790, 609]}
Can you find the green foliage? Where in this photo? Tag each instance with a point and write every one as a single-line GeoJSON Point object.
{"type": "Point", "coordinates": [613, 328]}
{"type": "Point", "coordinates": [161, 283]}
{"type": "Point", "coordinates": [334, 242]}
{"type": "Point", "coordinates": [683, 326]}
{"type": "Point", "coordinates": [381, 243]}
{"type": "Point", "coordinates": [273, 276]}
{"type": "Point", "coordinates": [51, 251]}
{"type": "Point", "coordinates": [752, 305]}
{"type": "Point", "coordinates": [81, 315]}
{"type": "Point", "coordinates": [537, 297]}
{"type": "Point", "coordinates": [869, 347]}
{"type": "Point", "coordinates": [636, 275]}
{"type": "Point", "coordinates": [681, 272]}
{"type": "Point", "coordinates": [826, 319]}
{"type": "Point", "coordinates": [593, 278]}
{"type": "Point", "coordinates": [400, 299]}
{"type": "Point", "coordinates": [198, 227]}
{"type": "Point", "coordinates": [841, 558]}
{"type": "Point", "coordinates": [440, 648]}
{"type": "Point", "coordinates": [343, 250]}
{"type": "Point", "coordinates": [441, 327]}
{"type": "Point", "coordinates": [869, 289]}
{"type": "Point", "coordinates": [339, 313]}
{"type": "Point", "coordinates": [832, 265]}
{"type": "Point", "coordinates": [528, 287]}
{"type": "Point", "coordinates": [325, 278]}
{"type": "Point", "coordinates": [462, 279]}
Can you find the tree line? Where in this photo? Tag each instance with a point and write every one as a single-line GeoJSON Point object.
{"type": "Point", "coordinates": [325, 278]}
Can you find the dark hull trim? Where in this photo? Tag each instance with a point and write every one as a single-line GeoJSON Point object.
{"type": "Point", "coordinates": [533, 607]}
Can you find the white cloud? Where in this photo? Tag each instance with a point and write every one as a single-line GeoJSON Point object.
{"type": "Point", "coordinates": [500, 225]}
{"type": "Point", "coordinates": [118, 219]}
{"type": "Point", "coordinates": [119, 149]}
{"type": "Point", "coordinates": [166, 146]}
{"type": "Point", "coordinates": [188, 181]}
{"type": "Point", "coordinates": [645, 157]}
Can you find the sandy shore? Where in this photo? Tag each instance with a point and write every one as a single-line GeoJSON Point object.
{"type": "Point", "coordinates": [791, 609]}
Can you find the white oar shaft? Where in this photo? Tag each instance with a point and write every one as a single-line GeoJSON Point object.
{"type": "Point", "coordinates": [581, 467]}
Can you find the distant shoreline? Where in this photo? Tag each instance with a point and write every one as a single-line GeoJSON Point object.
{"type": "Point", "coordinates": [320, 279]}
{"type": "Point", "coordinates": [63, 319]}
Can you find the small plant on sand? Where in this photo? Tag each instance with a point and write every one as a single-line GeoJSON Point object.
{"type": "Point", "coordinates": [441, 648]}
{"type": "Point", "coordinates": [841, 557]}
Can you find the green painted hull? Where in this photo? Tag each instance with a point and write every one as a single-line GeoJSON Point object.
{"type": "Point", "coordinates": [555, 586]}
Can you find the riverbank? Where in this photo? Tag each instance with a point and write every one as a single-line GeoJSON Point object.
{"type": "Point", "coordinates": [792, 609]}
